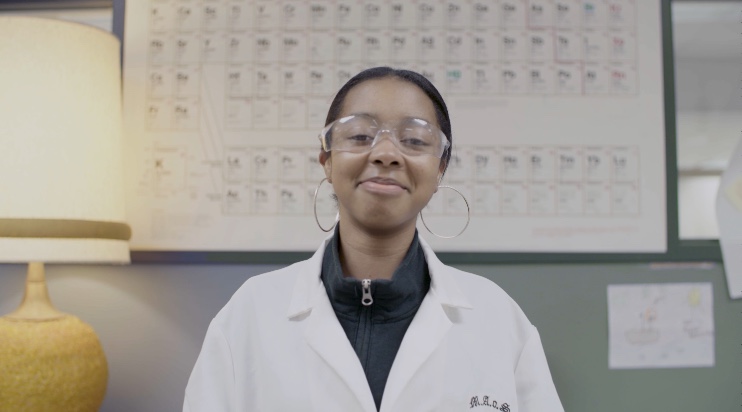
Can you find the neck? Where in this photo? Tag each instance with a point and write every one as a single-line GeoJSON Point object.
{"type": "Point", "coordinates": [365, 255]}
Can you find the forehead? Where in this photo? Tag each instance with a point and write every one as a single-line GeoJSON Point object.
{"type": "Point", "coordinates": [389, 99]}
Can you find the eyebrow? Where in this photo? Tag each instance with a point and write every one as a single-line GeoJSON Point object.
{"type": "Point", "coordinates": [404, 119]}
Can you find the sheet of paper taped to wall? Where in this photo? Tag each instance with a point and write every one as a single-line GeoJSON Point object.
{"type": "Point", "coordinates": [734, 193]}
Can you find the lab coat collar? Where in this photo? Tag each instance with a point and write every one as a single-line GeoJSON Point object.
{"type": "Point", "coordinates": [424, 335]}
{"type": "Point", "coordinates": [442, 283]}
{"type": "Point", "coordinates": [305, 288]}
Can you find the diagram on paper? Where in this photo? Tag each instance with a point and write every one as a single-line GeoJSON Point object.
{"type": "Point", "coordinates": [660, 325]}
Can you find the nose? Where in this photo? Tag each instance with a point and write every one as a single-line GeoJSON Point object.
{"type": "Point", "coordinates": [384, 151]}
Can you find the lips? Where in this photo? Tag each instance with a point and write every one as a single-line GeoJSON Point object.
{"type": "Point", "coordinates": [384, 181]}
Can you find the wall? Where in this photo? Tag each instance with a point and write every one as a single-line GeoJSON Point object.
{"type": "Point", "coordinates": [151, 320]}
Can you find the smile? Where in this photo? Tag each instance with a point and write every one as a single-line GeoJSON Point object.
{"type": "Point", "coordinates": [382, 186]}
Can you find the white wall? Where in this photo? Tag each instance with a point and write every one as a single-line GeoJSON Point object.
{"type": "Point", "coordinates": [707, 79]}
{"type": "Point", "coordinates": [697, 207]}
{"type": "Point", "coordinates": [708, 123]}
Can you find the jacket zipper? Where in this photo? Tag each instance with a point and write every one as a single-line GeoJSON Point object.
{"type": "Point", "coordinates": [364, 323]}
{"type": "Point", "coordinates": [366, 299]}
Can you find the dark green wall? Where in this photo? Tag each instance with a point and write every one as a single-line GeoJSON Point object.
{"type": "Point", "coordinates": [568, 304]}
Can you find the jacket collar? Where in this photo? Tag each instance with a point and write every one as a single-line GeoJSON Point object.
{"type": "Point", "coordinates": [308, 283]}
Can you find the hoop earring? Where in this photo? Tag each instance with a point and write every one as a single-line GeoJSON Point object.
{"type": "Point", "coordinates": [468, 216]}
{"type": "Point", "coordinates": [316, 219]}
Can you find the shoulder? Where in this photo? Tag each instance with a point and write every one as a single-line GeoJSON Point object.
{"type": "Point", "coordinates": [466, 289]}
{"type": "Point", "coordinates": [276, 280]}
{"type": "Point", "coordinates": [268, 293]}
{"type": "Point", "coordinates": [478, 287]}
{"type": "Point", "coordinates": [483, 291]}
{"type": "Point", "coordinates": [488, 302]}
{"type": "Point", "coordinates": [270, 296]}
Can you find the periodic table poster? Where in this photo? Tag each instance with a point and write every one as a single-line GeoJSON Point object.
{"type": "Point", "coordinates": [556, 107]}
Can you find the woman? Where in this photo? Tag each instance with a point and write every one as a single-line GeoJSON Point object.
{"type": "Point", "coordinates": [374, 321]}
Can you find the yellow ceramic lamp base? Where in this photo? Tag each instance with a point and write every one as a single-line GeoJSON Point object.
{"type": "Point", "coordinates": [51, 365]}
{"type": "Point", "coordinates": [50, 361]}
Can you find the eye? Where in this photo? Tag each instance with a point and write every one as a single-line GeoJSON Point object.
{"type": "Point", "coordinates": [360, 138]}
{"type": "Point", "coordinates": [413, 141]}
{"type": "Point", "coordinates": [415, 137]}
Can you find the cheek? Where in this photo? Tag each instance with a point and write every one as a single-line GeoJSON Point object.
{"type": "Point", "coordinates": [427, 177]}
{"type": "Point", "coordinates": [344, 167]}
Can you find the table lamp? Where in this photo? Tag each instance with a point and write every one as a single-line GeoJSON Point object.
{"type": "Point", "coordinates": [61, 201]}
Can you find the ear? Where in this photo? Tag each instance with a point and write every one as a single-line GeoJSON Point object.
{"type": "Point", "coordinates": [326, 161]}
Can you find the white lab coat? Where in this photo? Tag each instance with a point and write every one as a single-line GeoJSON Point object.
{"type": "Point", "coordinates": [278, 346]}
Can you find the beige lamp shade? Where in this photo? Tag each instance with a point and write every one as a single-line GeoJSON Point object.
{"type": "Point", "coordinates": [61, 175]}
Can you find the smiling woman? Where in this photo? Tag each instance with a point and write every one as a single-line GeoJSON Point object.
{"type": "Point", "coordinates": [380, 188]}
{"type": "Point", "coordinates": [374, 321]}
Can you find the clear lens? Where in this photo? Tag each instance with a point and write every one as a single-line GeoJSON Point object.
{"type": "Point", "coordinates": [359, 133]}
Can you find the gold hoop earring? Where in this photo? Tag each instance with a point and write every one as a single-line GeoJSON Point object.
{"type": "Point", "coordinates": [316, 219]}
{"type": "Point", "coordinates": [468, 216]}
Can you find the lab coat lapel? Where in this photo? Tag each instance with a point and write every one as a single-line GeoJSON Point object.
{"type": "Point", "coordinates": [325, 335]}
{"type": "Point", "coordinates": [423, 336]}
{"type": "Point", "coordinates": [323, 332]}
{"type": "Point", "coordinates": [427, 330]}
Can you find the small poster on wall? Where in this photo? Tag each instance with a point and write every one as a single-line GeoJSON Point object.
{"type": "Point", "coordinates": [668, 325]}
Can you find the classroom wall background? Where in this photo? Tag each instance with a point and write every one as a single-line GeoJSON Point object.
{"type": "Point", "coordinates": [151, 319]}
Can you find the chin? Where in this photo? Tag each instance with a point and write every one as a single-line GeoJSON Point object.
{"type": "Point", "coordinates": [389, 222]}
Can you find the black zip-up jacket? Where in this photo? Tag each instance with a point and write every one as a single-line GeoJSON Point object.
{"type": "Point", "coordinates": [376, 331]}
